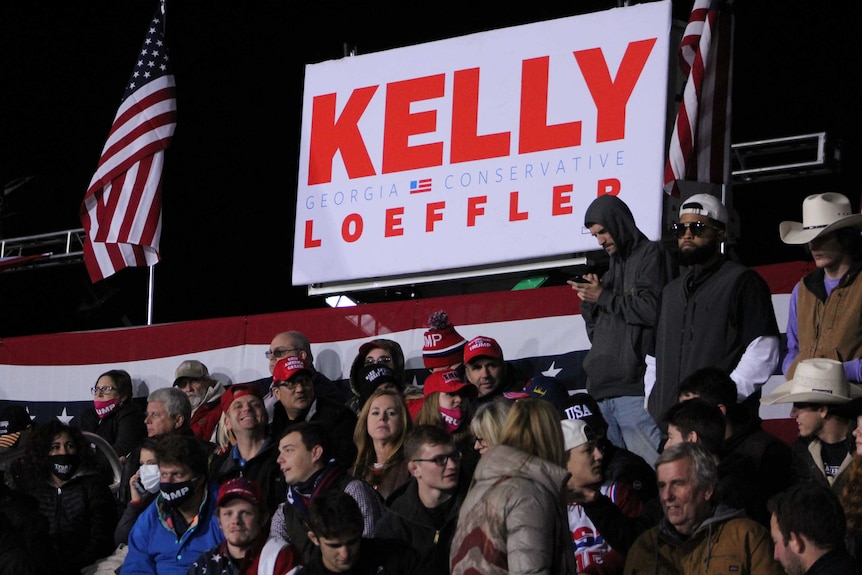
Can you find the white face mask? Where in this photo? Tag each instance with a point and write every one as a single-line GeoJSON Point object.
{"type": "Point", "coordinates": [150, 477]}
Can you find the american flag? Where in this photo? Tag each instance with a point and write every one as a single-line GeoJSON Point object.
{"type": "Point", "coordinates": [700, 142]}
{"type": "Point", "coordinates": [420, 186]}
{"type": "Point", "coordinates": [122, 209]}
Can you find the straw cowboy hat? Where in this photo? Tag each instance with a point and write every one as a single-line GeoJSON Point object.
{"type": "Point", "coordinates": [821, 214]}
{"type": "Point", "coordinates": [816, 380]}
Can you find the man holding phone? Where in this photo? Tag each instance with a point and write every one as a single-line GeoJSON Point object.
{"type": "Point", "coordinates": [620, 310]}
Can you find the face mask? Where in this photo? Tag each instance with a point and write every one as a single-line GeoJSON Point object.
{"type": "Point", "coordinates": [149, 475]}
{"type": "Point", "coordinates": [65, 465]}
{"type": "Point", "coordinates": [452, 418]}
{"type": "Point", "coordinates": [103, 408]}
{"type": "Point", "coordinates": [177, 493]}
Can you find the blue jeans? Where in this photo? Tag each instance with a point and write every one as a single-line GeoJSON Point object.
{"type": "Point", "coordinates": [631, 427]}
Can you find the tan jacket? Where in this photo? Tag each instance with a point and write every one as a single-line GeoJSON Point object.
{"type": "Point", "coordinates": [728, 542]}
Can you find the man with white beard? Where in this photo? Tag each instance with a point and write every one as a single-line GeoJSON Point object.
{"type": "Point", "coordinates": [204, 394]}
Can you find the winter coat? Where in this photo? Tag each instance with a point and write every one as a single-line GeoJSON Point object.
{"type": "Point", "coordinates": [409, 520]}
{"type": "Point", "coordinates": [621, 324]}
{"type": "Point", "coordinates": [275, 552]}
{"type": "Point", "coordinates": [513, 519]}
{"type": "Point", "coordinates": [376, 557]}
{"type": "Point", "coordinates": [123, 428]}
{"type": "Point", "coordinates": [338, 420]}
{"type": "Point", "coordinates": [81, 516]}
{"type": "Point", "coordinates": [207, 414]}
{"type": "Point", "coordinates": [290, 523]}
{"type": "Point", "coordinates": [24, 545]}
{"type": "Point", "coordinates": [808, 465]}
{"type": "Point", "coordinates": [262, 468]}
{"type": "Point", "coordinates": [154, 547]}
{"type": "Point", "coordinates": [726, 542]}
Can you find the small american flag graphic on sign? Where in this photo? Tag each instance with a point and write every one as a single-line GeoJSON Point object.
{"type": "Point", "coordinates": [420, 186]}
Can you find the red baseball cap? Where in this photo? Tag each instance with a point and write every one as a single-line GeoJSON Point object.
{"type": "Point", "coordinates": [236, 391]}
{"type": "Point", "coordinates": [243, 488]}
{"type": "Point", "coordinates": [482, 346]}
{"type": "Point", "coordinates": [448, 382]}
{"type": "Point", "coordinates": [287, 367]}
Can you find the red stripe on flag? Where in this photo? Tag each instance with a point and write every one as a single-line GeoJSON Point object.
{"type": "Point", "coordinates": [122, 211]}
{"type": "Point", "coordinates": [698, 148]}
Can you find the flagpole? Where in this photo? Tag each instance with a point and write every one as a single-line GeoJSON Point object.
{"type": "Point", "coordinates": [150, 296]}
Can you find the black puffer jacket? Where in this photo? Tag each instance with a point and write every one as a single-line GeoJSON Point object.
{"type": "Point", "coordinates": [410, 521]}
{"type": "Point", "coordinates": [81, 518]}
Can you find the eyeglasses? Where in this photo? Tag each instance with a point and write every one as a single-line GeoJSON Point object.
{"type": "Point", "coordinates": [696, 228]}
{"type": "Point", "coordinates": [442, 459]}
{"type": "Point", "coordinates": [381, 359]}
{"type": "Point", "coordinates": [103, 390]}
{"type": "Point", "coordinates": [279, 352]}
{"type": "Point", "coordinates": [304, 382]}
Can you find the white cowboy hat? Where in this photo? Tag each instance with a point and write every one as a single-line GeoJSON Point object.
{"type": "Point", "coordinates": [821, 214]}
{"type": "Point", "coordinates": [816, 380]}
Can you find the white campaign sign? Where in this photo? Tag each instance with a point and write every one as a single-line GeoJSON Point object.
{"type": "Point", "coordinates": [482, 149]}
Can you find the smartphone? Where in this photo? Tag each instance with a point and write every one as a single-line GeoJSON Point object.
{"type": "Point", "coordinates": [139, 487]}
{"type": "Point", "coordinates": [579, 279]}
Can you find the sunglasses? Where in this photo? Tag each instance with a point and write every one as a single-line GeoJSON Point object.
{"type": "Point", "coordinates": [696, 228]}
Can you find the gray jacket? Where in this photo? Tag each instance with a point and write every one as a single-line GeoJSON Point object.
{"type": "Point", "coordinates": [513, 518]}
{"type": "Point", "coordinates": [621, 324]}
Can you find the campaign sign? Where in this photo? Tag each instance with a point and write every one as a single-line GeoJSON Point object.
{"type": "Point", "coordinates": [482, 149]}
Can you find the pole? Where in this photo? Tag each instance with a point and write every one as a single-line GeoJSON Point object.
{"type": "Point", "coordinates": [150, 296]}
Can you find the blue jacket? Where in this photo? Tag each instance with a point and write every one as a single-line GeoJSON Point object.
{"type": "Point", "coordinates": [154, 548]}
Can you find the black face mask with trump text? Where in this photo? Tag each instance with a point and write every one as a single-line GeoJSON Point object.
{"type": "Point", "coordinates": [175, 494]}
{"type": "Point", "coordinates": [65, 465]}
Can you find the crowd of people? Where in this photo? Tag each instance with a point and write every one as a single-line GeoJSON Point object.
{"type": "Point", "coordinates": [661, 466]}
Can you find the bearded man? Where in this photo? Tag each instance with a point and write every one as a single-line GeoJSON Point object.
{"type": "Point", "coordinates": [717, 313]}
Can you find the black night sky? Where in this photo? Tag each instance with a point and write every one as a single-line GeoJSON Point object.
{"type": "Point", "coordinates": [230, 173]}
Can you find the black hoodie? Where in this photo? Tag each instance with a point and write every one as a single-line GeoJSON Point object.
{"type": "Point", "coordinates": [621, 324]}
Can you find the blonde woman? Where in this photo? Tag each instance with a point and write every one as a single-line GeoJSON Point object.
{"type": "Point", "coordinates": [381, 429]}
{"type": "Point", "coordinates": [488, 422]}
{"type": "Point", "coordinates": [513, 519]}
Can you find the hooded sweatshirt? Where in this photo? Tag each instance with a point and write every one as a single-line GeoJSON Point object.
{"type": "Point", "coordinates": [621, 324]}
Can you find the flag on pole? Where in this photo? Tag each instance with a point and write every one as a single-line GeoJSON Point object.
{"type": "Point", "coordinates": [122, 209]}
{"type": "Point", "coordinates": [700, 145]}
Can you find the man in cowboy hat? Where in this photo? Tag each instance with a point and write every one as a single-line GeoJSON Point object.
{"type": "Point", "coordinates": [824, 448]}
{"type": "Point", "coordinates": [825, 318]}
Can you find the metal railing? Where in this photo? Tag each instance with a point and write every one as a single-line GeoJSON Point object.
{"type": "Point", "coordinates": [55, 248]}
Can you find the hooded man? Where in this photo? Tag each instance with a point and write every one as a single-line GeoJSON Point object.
{"type": "Point", "coordinates": [621, 311]}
